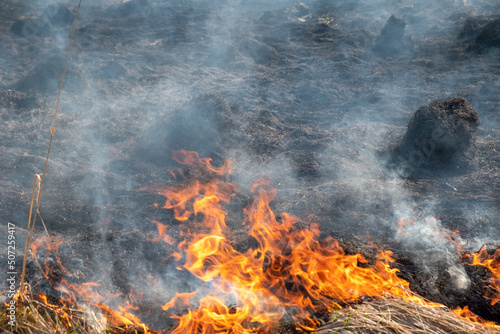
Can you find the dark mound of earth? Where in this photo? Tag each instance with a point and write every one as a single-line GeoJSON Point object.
{"type": "Point", "coordinates": [481, 33]}
{"type": "Point", "coordinates": [390, 40]}
{"type": "Point", "coordinates": [439, 134]}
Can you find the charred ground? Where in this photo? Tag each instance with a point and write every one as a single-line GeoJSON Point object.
{"type": "Point", "coordinates": [315, 95]}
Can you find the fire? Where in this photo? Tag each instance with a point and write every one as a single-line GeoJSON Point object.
{"type": "Point", "coordinates": [61, 310]}
{"type": "Point", "coordinates": [122, 318]}
{"type": "Point", "coordinates": [455, 235]}
{"type": "Point", "coordinates": [290, 273]}
{"type": "Point", "coordinates": [43, 297]}
{"type": "Point", "coordinates": [403, 223]}
{"type": "Point", "coordinates": [200, 165]}
{"type": "Point", "coordinates": [51, 245]}
{"type": "Point", "coordinates": [73, 293]}
{"type": "Point", "coordinates": [84, 292]}
{"type": "Point", "coordinates": [467, 315]}
{"type": "Point", "coordinates": [287, 274]}
{"type": "Point", "coordinates": [493, 264]}
{"type": "Point", "coordinates": [162, 231]}
{"type": "Point", "coordinates": [184, 297]}
{"type": "Point", "coordinates": [79, 291]}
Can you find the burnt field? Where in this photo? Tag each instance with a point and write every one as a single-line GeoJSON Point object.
{"type": "Point", "coordinates": [377, 120]}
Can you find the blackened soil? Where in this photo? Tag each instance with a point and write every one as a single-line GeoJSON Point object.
{"type": "Point", "coordinates": [314, 95]}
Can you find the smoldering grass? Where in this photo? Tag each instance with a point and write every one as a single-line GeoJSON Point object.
{"type": "Point", "coordinates": [34, 316]}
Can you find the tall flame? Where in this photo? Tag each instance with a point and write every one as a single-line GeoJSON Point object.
{"type": "Point", "coordinates": [289, 272]}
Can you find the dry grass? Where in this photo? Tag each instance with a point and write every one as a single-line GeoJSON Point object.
{"type": "Point", "coordinates": [393, 315]}
{"type": "Point", "coordinates": [389, 315]}
{"type": "Point", "coordinates": [33, 316]}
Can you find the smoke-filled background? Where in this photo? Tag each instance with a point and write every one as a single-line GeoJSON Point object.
{"type": "Point", "coordinates": [315, 95]}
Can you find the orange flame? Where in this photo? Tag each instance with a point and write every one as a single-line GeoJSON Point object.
{"type": "Point", "coordinates": [455, 235]}
{"type": "Point", "coordinates": [200, 165]}
{"type": "Point", "coordinates": [85, 292]}
{"type": "Point", "coordinates": [201, 198]}
{"type": "Point", "coordinates": [52, 245]}
{"type": "Point", "coordinates": [493, 264]}
{"type": "Point", "coordinates": [43, 297]}
{"type": "Point", "coordinates": [162, 231]}
{"type": "Point", "coordinates": [184, 297]}
{"type": "Point", "coordinates": [122, 318]}
{"type": "Point", "coordinates": [61, 309]}
{"type": "Point", "coordinates": [289, 272]}
{"type": "Point", "coordinates": [468, 315]}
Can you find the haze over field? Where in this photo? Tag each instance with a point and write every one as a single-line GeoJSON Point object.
{"type": "Point", "coordinates": [315, 95]}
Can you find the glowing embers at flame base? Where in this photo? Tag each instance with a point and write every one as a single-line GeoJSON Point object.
{"type": "Point", "coordinates": [290, 273]}
{"type": "Point", "coordinates": [492, 263]}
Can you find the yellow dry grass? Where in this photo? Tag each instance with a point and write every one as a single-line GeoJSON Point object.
{"type": "Point", "coordinates": [396, 316]}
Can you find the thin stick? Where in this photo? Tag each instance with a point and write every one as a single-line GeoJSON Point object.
{"type": "Point", "coordinates": [43, 273]}
{"type": "Point", "coordinates": [37, 195]}
{"type": "Point", "coordinates": [43, 223]}
{"type": "Point", "coordinates": [32, 222]}
{"type": "Point", "coordinates": [26, 245]}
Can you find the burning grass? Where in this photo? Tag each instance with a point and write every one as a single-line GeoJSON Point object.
{"type": "Point", "coordinates": [41, 314]}
{"type": "Point", "coordinates": [36, 316]}
{"type": "Point", "coordinates": [289, 276]}
{"type": "Point", "coordinates": [388, 315]}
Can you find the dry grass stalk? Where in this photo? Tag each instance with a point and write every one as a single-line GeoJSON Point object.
{"type": "Point", "coordinates": [381, 316]}
{"type": "Point", "coordinates": [39, 181]}
{"type": "Point", "coordinates": [34, 316]}
{"type": "Point", "coordinates": [396, 316]}
{"type": "Point", "coordinates": [29, 231]}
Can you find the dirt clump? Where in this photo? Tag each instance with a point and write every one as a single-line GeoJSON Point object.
{"type": "Point", "coordinates": [439, 134]}
{"type": "Point", "coordinates": [481, 33]}
{"type": "Point", "coordinates": [391, 40]}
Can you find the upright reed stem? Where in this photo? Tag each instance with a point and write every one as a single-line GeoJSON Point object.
{"type": "Point", "coordinates": [32, 216]}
